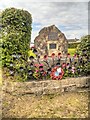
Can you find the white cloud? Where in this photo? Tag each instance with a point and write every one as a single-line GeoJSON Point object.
{"type": "Point", "coordinates": [70, 17]}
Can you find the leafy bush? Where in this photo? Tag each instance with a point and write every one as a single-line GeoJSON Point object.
{"type": "Point", "coordinates": [30, 53]}
{"type": "Point", "coordinates": [84, 51]}
{"type": "Point", "coordinates": [73, 45]}
{"type": "Point", "coordinates": [15, 41]}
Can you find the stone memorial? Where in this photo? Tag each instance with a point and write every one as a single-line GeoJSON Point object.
{"type": "Point", "coordinates": [51, 40]}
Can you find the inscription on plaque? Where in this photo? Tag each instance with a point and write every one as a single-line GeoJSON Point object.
{"type": "Point", "coordinates": [52, 36]}
{"type": "Point", "coordinates": [52, 46]}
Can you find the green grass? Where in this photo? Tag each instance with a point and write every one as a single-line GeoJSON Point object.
{"type": "Point", "coordinates": [71, 51]}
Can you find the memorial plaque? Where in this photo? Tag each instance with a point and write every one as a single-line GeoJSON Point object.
{"type": "Point", "coordinates": [52, 46]}
{"type": "Point", "coordinates": [52, 36]}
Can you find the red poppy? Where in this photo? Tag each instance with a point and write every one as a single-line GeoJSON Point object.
{"type": "Point", "coordinates": [45, 57]}
{"type": "Point", "coordinates": [68, 55]}
{"type": "Point", "coordinates": [75, 55]}
{"type": "Point", "coordinates": [53, 55]}
{"type": "Point", "coordinates": [44, 73]}
{"type": "Point", "coordinates": [36, 65]}
{"type": "Point", "coordinates": [57, 73]}
{"type": "Point", "coordinates": [63, 65]}
{"type": "Point", "coordinates": [32, 47]}
{"type": "Point", "coordinates": [59, 55]}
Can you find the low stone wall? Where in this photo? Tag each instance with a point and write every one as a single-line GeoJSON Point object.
{"type": "Point", "coordinates": [46, 87]}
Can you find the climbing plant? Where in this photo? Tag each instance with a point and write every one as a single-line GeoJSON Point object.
{"type": "Point", "coordinates": [15, 40]}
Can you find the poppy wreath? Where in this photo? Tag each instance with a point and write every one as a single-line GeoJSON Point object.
{"type": "Point", "coordinates": [57, 73]}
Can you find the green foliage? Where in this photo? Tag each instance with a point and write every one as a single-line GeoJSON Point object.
{"type": "Point", "coordinates": [15, 39]}
{"type": "Point", "coordinates": [30, 53]}
{"type": "Point", "coordinates": [85, 45]}
{"type": "Point", "coordinates": [84, 50]}
{"type": "Point", "coordinates": [73, 45]}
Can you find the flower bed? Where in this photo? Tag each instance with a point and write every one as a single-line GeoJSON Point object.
{"type": "Point", "coordinates": [53, 67]}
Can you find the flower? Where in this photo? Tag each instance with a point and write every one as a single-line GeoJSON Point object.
{"type": "Point", "coordinates": [63, 65]}
{"type": "Point", "coordinates": [57, 73]}
{"type": "Point", "coordinates": [32, 47]}
{"type": "Point", "coordinates": [59, 55]}
{"type": "Point", "coordinates": [53, 55]}
{"type": "Point", "coordinates": [75, 55]}
{"type": "Point", "coordinates": [73, 69]}
{"type": "Point", "coordinates": [45, 57]}
{"type": "Point", "coordinates": [36, 65]}
{"type": "Point", "coordinates": [43, 73]}
{"type": "Point", "coordinates": [68, 55]}
{"type": "Point", "coordinates": [41, 67]}
{"type": "Point", "coordinates": [37, 71]}
{"type": "Point", "coordinates": [68, 65]}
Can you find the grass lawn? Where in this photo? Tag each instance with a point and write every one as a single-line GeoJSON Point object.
{"type": "Point", "coordinates": [71, 51]}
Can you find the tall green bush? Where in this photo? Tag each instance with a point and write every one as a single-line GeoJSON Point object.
{"type": "Point", "coordinates": [15, 40]}
{"type": "Point", "coordinates": [84, 50]}
{"type": "Point", "coordinates": [84, 45]}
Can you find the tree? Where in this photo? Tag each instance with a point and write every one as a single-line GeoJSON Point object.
{"type": "Point", "coordinates": [16, 36]}
{"type": "Point", "coordinates": [84, 45]}
{"type": "Point", "coordinates": [84, 51]}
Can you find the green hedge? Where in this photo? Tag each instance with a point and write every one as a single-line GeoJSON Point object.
{"type": "Point", "coordinates": [15, 41]}
{"type": "Point", "coordinates": [84, 50]}
{"type": "Point", "coordinates": [73, 45]}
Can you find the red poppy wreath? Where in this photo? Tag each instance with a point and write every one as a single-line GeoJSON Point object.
{"type": "Point", "coordinates": [57, 73]}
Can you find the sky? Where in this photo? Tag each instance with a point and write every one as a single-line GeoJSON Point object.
{"type": "Point", "coordinates": [71, 17]}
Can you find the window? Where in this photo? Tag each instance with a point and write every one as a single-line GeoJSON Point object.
{"type": "Point", "coordinates": [52, 46]}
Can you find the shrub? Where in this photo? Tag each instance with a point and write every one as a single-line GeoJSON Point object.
{"type": "Point", "coordinates": [73, 45]}
{"type": "Point", "coordinates": [84, 51]}
{"type": "Point", "coordinates": [15, 41]}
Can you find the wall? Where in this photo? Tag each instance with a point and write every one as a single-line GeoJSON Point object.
{"type": "Point", "coordinates": [46, 86]}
